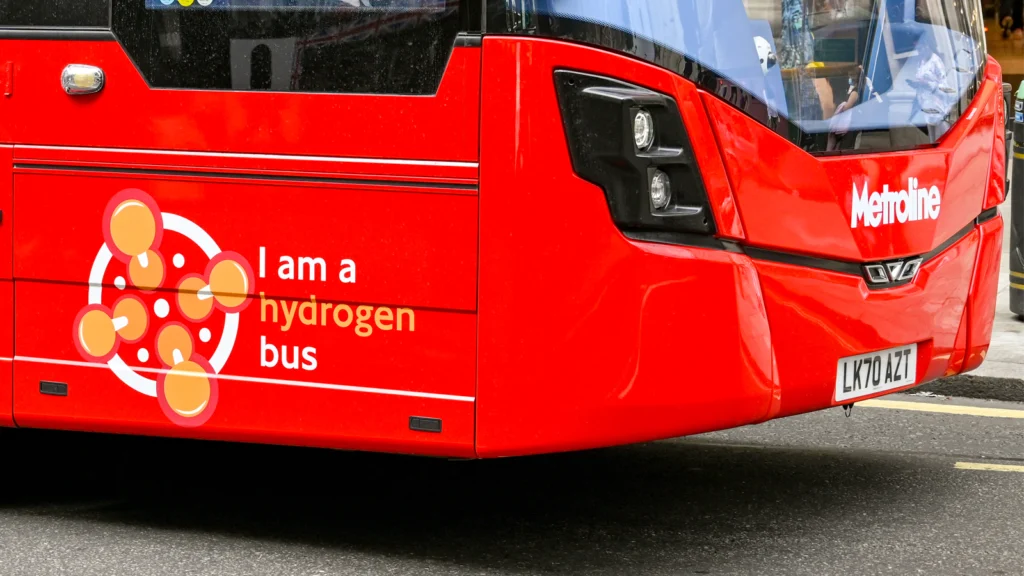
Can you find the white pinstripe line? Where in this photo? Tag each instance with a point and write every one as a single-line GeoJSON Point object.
{"type": "Point", "coordinates": [274, 381]}
{"type": "Point", "coordinates": [235, 155]}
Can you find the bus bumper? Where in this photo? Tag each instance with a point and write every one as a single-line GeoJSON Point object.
{"type": "Point", "coordinates": [817, 317]}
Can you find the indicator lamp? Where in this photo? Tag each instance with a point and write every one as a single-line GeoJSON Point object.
{"type": "Point", "coordinates": [81, 79]}
{"type": "Point", "coordinates": [661, 190]}
{"type": "Point", "coordinates": [643, 130]}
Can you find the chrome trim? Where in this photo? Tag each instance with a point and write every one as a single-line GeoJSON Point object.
{"type": "Point", "coordinates": [82, 79]}
{"type": "Point", "coordinates": [892, 273]}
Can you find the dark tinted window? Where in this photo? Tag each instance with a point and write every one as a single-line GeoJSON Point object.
{"type": "Point", "coordinates": [55, 13]}
{"type": "Point", "coordinates": [369, 46]}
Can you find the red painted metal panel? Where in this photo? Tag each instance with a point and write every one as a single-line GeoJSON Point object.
{"type": "Point", "coordinates": [996, 191]}
{"type": "Point", "coordinates": [324, 352]}
{"type": "Point", "coordinates": [6, 286]}
{"type": "Point", "coordinates": [360, 393]}
{"type": "Point", "coordinates": [826, 316]}
{"type": "Point", "coordinates": [805, 204]}
{"type": "Point", "coordinates": [129, 114]}
{"type": "Point", "coordinates": [6, 213]}
{"type": "Point", "coordinates": [982, 306]}
{"type": "Point", "coordinates": [588, 339]}
{"type": "Point", "coordinates": [410, 249]}
{"type": "Point", "coordinates": [360, 270]}
{"type": "Point", "coordinates": [585, 338]}
{"type": "Point", "coordinates": [6, 351]}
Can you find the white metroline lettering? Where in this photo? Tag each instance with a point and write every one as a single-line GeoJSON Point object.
{"type": "Point", "coordinates": [273, 381]}
{"type": "Point", "coordinates": [891, 207]}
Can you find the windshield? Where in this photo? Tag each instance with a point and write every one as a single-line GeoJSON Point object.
{"type": "Point", "coordinates": [830, 75]}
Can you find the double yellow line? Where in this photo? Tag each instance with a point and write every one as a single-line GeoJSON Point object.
{"type": "Point", "coordinates": [985, 467]}
{"type": "Point", "coordinates": [943, 408]}
{"type": "Point", "coordinates": [1016, 285]}
{"type": "Point", "coordinates": [958, 410]}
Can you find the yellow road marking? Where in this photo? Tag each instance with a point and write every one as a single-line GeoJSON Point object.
{"type": "Point", "coordinates": [1017, 274]}
{"type": "Point", "coordinates": [1018, 155]}
{"type": "Point", "coordinates": [988, 467]}
{"type": "Point", "coordinates": [1017, 286]}
{"type": "Point", "coordinates": [943, 408]}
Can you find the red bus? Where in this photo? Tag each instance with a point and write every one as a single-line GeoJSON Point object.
{"type": "Point", "coordinates": [478, 228]}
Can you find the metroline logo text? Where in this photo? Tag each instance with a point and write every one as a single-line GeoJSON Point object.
{"type": "Point", "coordinates": [889, 207]}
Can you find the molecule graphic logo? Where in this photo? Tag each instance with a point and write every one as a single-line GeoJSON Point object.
{"type": "Point", "coordinates": [134, 231]}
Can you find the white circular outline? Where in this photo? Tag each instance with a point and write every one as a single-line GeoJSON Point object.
{"type": "Point", "coordinates": [193, 232]}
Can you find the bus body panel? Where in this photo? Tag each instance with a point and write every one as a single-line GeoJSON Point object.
{"type": "Point", "coordinates": [416, 274]}
{"type": "Point", "coordinates": [388, 230]}
{"type": "Point", "coordinates": [359, 241]}
{"type": "Point", "coordinates": [502, 310]}
{"type": "Point", "coordinates": [6, 214]}
{"type": "Point", "coordinates": [833, 315]}
{"type": "Point", "coordinates": [130, 114]}
{"type": "Point", "coordinates": [998, 178]}
{"type": "Point", "coordinates": [586, 338]}
{"type": "Point", "coordinates": [6, 353]}
{"type": "Point", "coordinates": [981, 310]}
{"type": "Point", "coordinates": [6, 288]}
{"type": "Point", "coordinates": [806, 204]}
{"type": "Point", "coordinates": [646, 341]}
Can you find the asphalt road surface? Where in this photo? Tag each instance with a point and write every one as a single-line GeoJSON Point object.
{"type": "Point", "coordinates": [884, 491]}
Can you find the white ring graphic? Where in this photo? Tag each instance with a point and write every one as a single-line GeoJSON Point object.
{"type": "Point", "coordinates": [193, 232]}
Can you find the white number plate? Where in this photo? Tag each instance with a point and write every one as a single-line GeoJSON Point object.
{"type": "Point", "coordinates": [867, 374]}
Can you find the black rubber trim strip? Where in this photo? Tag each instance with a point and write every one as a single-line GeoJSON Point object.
{"type": "Point", "coordinates": [804, 261]}
{"type": "Point", "coordinates": [465, 40]}
{"type": "Point", "coordinates": [952, 240]}
{"type": "Point", "coordinates": [248, 176]}
{"type": "Point", "coordinates": [91, 34]}
{"type": "Point", "coordinates": [845, 266]}
{"type": "Point", "coordinates": [987, 215]}
{"type": "Point", "coordinates": [841, 266]}
{"type": "Point", "coordinates": [683, 239]}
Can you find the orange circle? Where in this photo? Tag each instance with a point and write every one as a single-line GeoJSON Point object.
{"type": "Point", "coordinates": [189, 302]}
{"type": "Point", "coordinates": [187, 389]}
{"type": "Point", "coordinates": [133, 227]}
{"type": "Point", "coordinates": [134, 311]}
{"type": "Point", "coordinates": [150, 276]}
{"type": "Point", "coordinates": [96, 333]}
{"type": "Point", "coordinates": [229, 283]}
{"type": "Point", "coordinates": [173, 337]}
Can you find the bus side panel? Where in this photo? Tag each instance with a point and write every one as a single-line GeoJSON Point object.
{"type": "Point", "coordinates": [586, 338]}
{"type": "Point", "coordinates": [361, 311]}
{"type": "Point", "coordinates": [130, 114]}
{"type": "Point", "coordinates": [6, 352]}
{"type": "Point", "coordinates": [6, 206]}
{"type": "Point", "coordinates": [6, 287]}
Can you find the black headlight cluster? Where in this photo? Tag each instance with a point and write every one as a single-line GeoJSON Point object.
{"type": "Point", "coordinates": [631, 141]}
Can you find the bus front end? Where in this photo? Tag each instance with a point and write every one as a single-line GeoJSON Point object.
{"type": "Point", "coordinates": [482, 228]}
{"type": "Point", "coordinates": [702, 214]}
